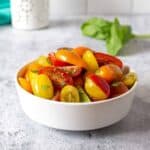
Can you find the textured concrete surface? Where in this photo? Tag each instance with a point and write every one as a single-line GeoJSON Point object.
{"type": "Point", "coordinates": [18, 132]}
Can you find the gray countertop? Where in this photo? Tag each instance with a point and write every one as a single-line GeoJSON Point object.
{"type": "Point", "coordinates": [18, 132]}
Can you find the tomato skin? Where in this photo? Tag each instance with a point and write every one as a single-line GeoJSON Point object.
{"type": "Point", "coordinates": [96, 87]}
{"type": "Point", "coordinates": [59, 77]}
{"type": "Point", "coordinates": [110, 72]}
{"type": "Point", "coordinates": [71, 70]}
{"type": "Point", "coordinates": [41, 85]}
{"type": "Point", "coordinates": [25, 84]}
{"type": "Point", "coordinates": [80, 50]}
{"type": "Point", "coordinates": [117, 89]}
{"type": "Point", "coordinates": [101, 83]}
{"type": "Point", "coordinates": [90, 60]}
{"type": "Point", "coordinates": [103, 58]}
{"type": "Point", "coordinates": [55, 61]}
{"type": "Point", "coordinates": [70, 57]}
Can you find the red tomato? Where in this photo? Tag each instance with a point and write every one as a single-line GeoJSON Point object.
{"type": "Point", "coordinates": [117, 89]}
{"type": "Point", "coordinates": [55, 61]}
{"type": "Point", "coordinates": [78, 81]}
{"type": "Point", "coordinates": [59, 77]}
{"type": "Point", "coordinates": [103, 58]}
{"type": "Point", "coordinates": [71, 70]}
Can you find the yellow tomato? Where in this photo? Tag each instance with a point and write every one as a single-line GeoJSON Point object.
{"type": "Point", "coordinates": [41, 85]}
{"type": "Point", "coordinates": [93, 90]}
{"type": "Point", "coordinates": [69, 93]}
{"type": "Point", "coordinates": [129, 79]}
{"type": "Point", "coordinates": [32, 67]}
{"type": "Point", "coordinates": [90, 60]}
{"type": "Point", "coordinates": [70, 57]}
{"type": "Point", "coordinates": [43, 61]}
{"type": "Point", "coordinates": [25, 84]}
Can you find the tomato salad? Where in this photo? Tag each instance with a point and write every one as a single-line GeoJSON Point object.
{"type": "Point", "coordinates": [77, 75]}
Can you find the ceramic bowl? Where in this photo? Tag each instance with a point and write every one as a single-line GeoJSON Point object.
{"type": "Point", "coordinates": [75, 116]}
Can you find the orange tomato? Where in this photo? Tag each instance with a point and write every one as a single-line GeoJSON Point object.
{"type": "Point", "coordinates": [70, 57]}
{"type": "Point", "coordinates": [25, 84]}
{"type": "Point", "coordinates": [80, 50]}
{"type": "Point", "coordinates": [110, 72]}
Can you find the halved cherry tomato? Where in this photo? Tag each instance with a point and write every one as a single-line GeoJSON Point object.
{"type": "Point", "coordinates": [117, 89]}
{"type": "Point", "coordinates": [90, 60]}
{"type": "Point", "coordinates": [96, 87]}
{"type": "Point", "coordinates": [70, 57]}
{"type": "Point", "coordinates": [110, 72]}
{"type": "Point", "coordinates": [41, 85]}
{"type": "Point", "coordinates": [103, 58]}
{"type": "Point", "coordinates": [80, 50]}
{"type": "Point", "coordinates": [43, 61]}
{"type": "Point", "coordinates": [25, 84]}
{"type": "Point", "coordinates": [71, 70]}
{"type": "Point", "coordinates": [69, 93]}
{"type": "Point", "coordinates": [55, 61]}
{"type": "Point", "coordinates": [59, 77]}
{"type": "Point", "coordinates": [32, 67]}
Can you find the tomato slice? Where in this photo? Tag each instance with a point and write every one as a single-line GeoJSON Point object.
{"type": "Point", "coordinates": [55, 61]}
{"type": "Point", "coordinates": [103, 58]}
{"type": "Point", "coordinates": [71, 70]}
{"type": "Point", "coordinates": [58, 76]}
{"type": "Point", "coordinates": [70, 57]}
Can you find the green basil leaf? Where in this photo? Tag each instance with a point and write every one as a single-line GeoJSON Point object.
{"type": "Point", "coordinates": [114, 42]}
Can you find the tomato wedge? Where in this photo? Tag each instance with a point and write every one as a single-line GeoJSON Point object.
{"type": "Point", "coordinates": [71, 70]}
{"type": "Point", "coordinates": [70, 57]}
{"type": "Point", "coordinates": [59, 77]}
{"type": "Point", "coordinates": [55, 61]}
{"type": "Point", "coordinates": [103, 58]}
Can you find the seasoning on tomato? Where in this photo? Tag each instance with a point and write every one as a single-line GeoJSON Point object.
{"type": "Point", "coordinates": [58, 76]}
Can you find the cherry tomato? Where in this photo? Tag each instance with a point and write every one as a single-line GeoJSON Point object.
{"type": "Point", "coordinates": [69, 93]}
{"type": "Point", "coordinates": [90, 60]}
{"type": "Point", "coordinates": [25, 84]}
{"type": "Point", "coordinates": [71, 70]}
{"type": "Point", "coordinates": [32, 67]}
{"type": "Point", "coordinates": [129, 79]}
{"type": "Point", "coordinates": [96, 87]}
{"type": "Point", "coordinates": [43, 61]}
{"type": "Point", "coordinates": [70, 57]}
{"type": "Point", "coordinates": [117, 89]}
{"type": "Point", "coordinates": [55, 61]}
{"type": "Point", "coordinates": [80, 50]}
{"type": "Point", "coordinates": [103, 58]}
{"type": "Point", "coordinates": [59, 77]}
{"type": "Point", "coordinates": [110, 72]}
{"type": "Point", "coordinates": [41, 85]}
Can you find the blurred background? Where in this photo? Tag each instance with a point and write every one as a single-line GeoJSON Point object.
{"type": "Point", "coordinates": [98, 7]}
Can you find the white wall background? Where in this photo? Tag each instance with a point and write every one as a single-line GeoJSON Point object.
{"type": "Point", "coordinates": [97, 7]}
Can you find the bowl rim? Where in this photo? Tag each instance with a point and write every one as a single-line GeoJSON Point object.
{"type": "Point", "coordinates": [71, 103]}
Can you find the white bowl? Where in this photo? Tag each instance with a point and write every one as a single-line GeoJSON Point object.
{"type": "Point", "coordinates": [75, 116]}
